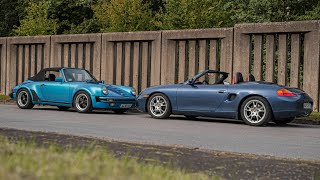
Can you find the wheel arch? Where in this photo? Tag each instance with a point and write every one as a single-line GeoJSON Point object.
{"type": "Point", "coordinates": [245, 98]}
{"type": "Point", "coordinates": [26, 88]}
{"type": "Point", "coordinates": [155, 92]}
{"type": "Point", "coordinates": [78, 90]}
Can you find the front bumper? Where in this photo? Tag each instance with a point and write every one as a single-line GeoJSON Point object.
{"type": "Point", "coordinates": [113, 102]}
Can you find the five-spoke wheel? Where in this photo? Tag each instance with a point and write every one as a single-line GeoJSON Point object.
{"type": "Point", "coordinates": [24, 100]}
{"type": "Point", "coordinates": [159, 106]}
{"type": "Point", "coordinates": [82, 102]}
{"type": "Point", "coordinates": [255, 111]}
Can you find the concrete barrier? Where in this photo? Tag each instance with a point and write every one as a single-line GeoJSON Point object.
{"type": "Point", "coordinates": [282, 52]}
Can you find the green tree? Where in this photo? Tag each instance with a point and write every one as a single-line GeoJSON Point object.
{"type": "Point", "coordinates": [313, 14]}
{"type": "Point", "coordinates": [269, 10]}
{"type": "Point", "coordinates": [10, 13]}
{"type": "Point", "coordinates": [37, 22]}
{"type": "Point", "coordinates": [124, 15]}
{"type": "Point", "coordinates": [190, 14]}
{"type": "Point", "coordinates": [74, 16]}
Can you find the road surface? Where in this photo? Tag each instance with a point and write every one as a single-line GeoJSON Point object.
{"type": "Point", "coordinates": [291, 141]}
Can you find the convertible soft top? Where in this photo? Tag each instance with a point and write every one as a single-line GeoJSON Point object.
{"type": "Point", "coordinates": [41, 75]}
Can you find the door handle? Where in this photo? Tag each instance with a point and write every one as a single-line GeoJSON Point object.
{"type": "Point", "coordinates": [42, 85]}
{"type": "Point", "coordinates": [222, 91]}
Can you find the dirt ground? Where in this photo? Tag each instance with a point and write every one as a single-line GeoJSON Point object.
{"type": "Point", "coordinates": [224, 164]}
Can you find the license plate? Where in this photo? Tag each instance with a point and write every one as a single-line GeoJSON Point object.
{"type": "Point", "coordinates": [307, 105]}
{"type": "Point", "coordinates": [125, 105]}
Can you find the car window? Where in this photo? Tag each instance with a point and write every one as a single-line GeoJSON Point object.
{"type": "Point", "coordinates": [78, 75]}
{"type": "Point", "coordinates": [51, 75]}
{"type": "Point", "coordinates": [210, 79]}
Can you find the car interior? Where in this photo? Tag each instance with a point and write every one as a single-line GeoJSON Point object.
{"type": "Point", "coordinates": [238, 78]}
{"type": "Point", "coordinates": [51, 75]}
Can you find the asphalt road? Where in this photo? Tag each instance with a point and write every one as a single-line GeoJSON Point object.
{"type": "Point", "coordinates": [291, 141]}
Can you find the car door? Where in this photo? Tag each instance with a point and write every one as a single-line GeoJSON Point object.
{"type": "Point", "coordinates": [204, 98]}
{"type": "Point", "coordinates": [55, 91]}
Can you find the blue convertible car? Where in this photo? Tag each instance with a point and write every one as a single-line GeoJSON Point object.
{"type": "Point", "coordinates": [207, 94]}
{"type": "Point", "coordinates": [72, 87]}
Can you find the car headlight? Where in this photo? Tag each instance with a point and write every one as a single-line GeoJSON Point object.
{"type": "Point", "coordinates": [104, 90]}
{"type": "Point", "coordinates": [133, 91]}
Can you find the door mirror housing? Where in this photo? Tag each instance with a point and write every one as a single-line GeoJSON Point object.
{"type": "Point", "coordinates": [58, 79]}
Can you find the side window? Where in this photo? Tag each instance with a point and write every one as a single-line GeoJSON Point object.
{"type": "Point", "coordinates": [210, 79]}
{"type": "Point", "coordinates": [51, 75]}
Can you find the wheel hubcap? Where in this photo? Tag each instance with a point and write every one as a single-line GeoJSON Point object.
{"type": "Point", "coordinates": [158, 106]}
{"type": "Point", "coordinates": [23, 98]}
{"type": "Point", "coordinates": [254, 111]}
{"type": "Point", "coordinates": [81, 102]}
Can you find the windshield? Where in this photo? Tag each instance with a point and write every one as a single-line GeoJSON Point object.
{"type": "Point", "coordinates": [78, 75]}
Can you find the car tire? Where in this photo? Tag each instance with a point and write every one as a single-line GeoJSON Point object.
{"type": "Point", "coordinates": [82, 102]}
{"type": "Point", "coordinates": [256, 111]}
{"type": "Point", "coordinates": [159, 106]}
{"type": "Point", "coordinates": [63, 108]}
{"type": "Point", "coordinates": [283, 121]}
{"type": "Point", "coordinates": [24, 100]}
{"type": "Point", "coordinates": [119, 111]}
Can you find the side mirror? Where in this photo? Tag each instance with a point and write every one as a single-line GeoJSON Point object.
{"type": "Point", "coordinates": [58, 79]}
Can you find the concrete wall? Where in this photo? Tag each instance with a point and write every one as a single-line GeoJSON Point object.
{"type": "Point", "coordinates": [286, 53]}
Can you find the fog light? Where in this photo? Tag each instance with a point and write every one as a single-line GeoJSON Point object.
{"type": "Point", "coordinates": [112, 104]}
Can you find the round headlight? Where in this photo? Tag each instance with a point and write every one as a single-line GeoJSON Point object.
{"type": "Point", "coordinates": [104, 90]}
{"type": "Point", "coordinates": [133, 91]}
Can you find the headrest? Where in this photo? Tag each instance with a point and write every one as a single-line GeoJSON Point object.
{"type": "Point", "coordinates": [251, 78]}
{"type": "Point", "coordinates": [52, 77]}
{"type": "Point", "coordinates": [237, 78]}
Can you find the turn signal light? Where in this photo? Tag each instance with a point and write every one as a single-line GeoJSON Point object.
{"type": "Point", "coordinates": [285, 92]}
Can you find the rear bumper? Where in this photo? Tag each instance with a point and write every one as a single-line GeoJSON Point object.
{"type": "Point", "coordinates": [288, 107]}
{"type": "Point", "coordinates": [113, 103]}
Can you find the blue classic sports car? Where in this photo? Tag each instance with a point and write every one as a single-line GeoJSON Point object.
{"type": "Point", "coordinates": [207, 94]}
{"type": "Point", "coordinates": [72, 87]}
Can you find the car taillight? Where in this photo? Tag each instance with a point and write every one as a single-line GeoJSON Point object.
{"type": "Point", "coordinates": [12, 90]}
{"type": "Point", "coordinates": [285, 92]}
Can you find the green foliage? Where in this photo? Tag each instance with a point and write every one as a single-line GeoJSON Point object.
{"type": "Point", "coordinates": [312, 15]}
{"type": "Point", "coordinates": [22, 160]}
{"type": "Point", "coordinates": [269, 10]}
{"type": "Point", "coordinates": [10, 13]}
{"type": "Point", "coordinates": [41, 17]}
{"type": "Point", "coordinates": [37, 22]}
{"type": "Point", "coordinates": [191, 14]}
{"type": "Point", "coordinates": [4, 97]}
{"type": "Point", "coordinates": [123, 15]}
{"type": "Point", "coordinates": [73, 16]}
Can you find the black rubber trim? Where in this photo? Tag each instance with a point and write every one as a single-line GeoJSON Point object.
{"type": "Point", "coordinates": [35, 96]}
{"type": "Point", "coordinates": [56, 102]}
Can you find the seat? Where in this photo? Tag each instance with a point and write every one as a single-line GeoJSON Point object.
{"type": "Point", "coordinates": [52, 77]}
{"type": "Point", "coordinates": [237, 78]}
{"type": "Point", "coordinates": [251, 78]}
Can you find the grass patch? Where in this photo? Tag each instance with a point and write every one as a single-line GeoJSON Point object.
{"type": "Point", "coordinates": [4, 97]}
{"type": "Point", "coordinates": [314, 116]}
{"type": "Point", "coordinates": [27, 161]}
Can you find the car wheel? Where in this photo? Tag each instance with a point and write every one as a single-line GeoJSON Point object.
{"type": "Point", "coordinates": [82, 102]}
{"type": "Point", "coordinates": [256, 111]}
{"type": "Point", "coordinates": [24, 99]}
{"type": "Point", "coordinates": [190, 117]}
{"type": "Point", "coordinates": [159, 106]}
{"type": "Point", "coordinates": [283, 121]}
{"type": "Point", "coordinates": [63, 108]}
{"type": "Point", "coordinates": [119, 111]}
